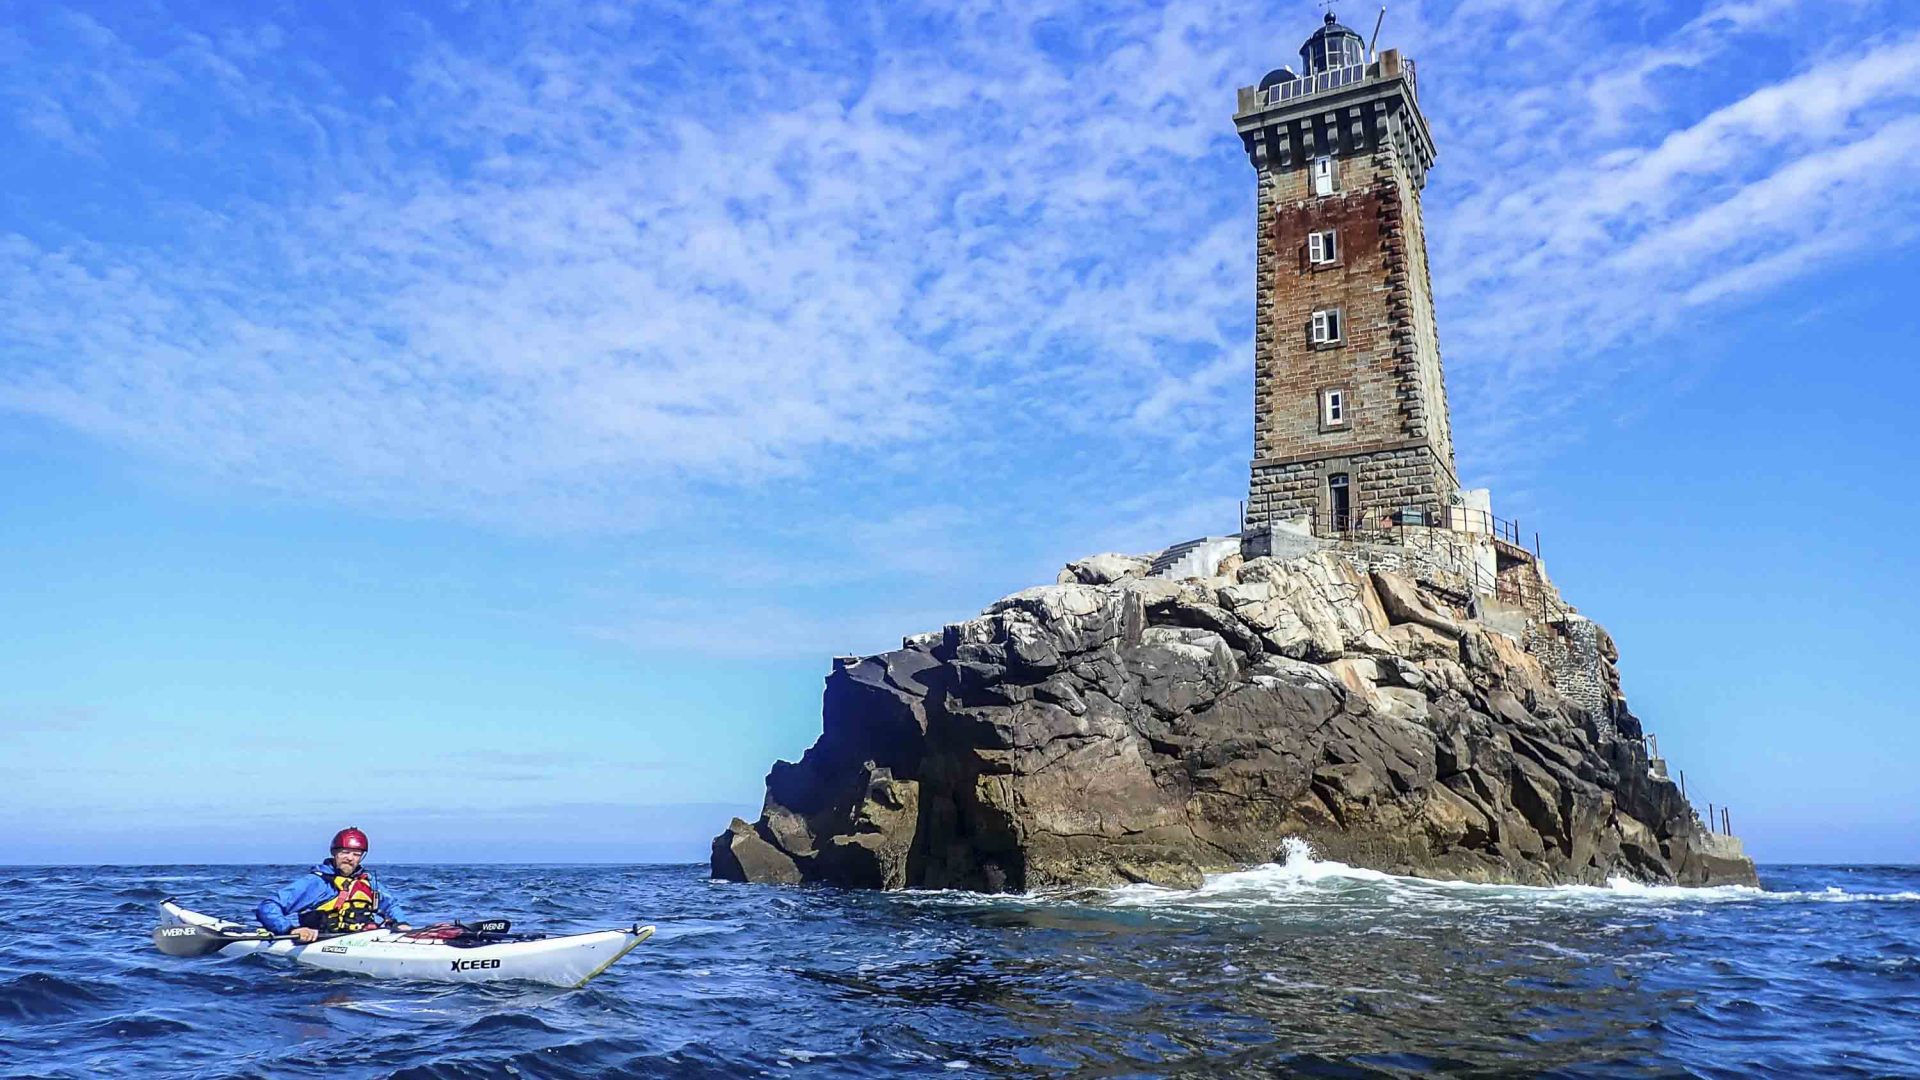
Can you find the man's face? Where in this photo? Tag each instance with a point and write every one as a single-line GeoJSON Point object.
{"type": "Point", "coordinates": [346, 861]}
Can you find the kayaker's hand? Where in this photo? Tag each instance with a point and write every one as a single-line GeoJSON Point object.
{"type": "Point", "coordinates": [306, 935]}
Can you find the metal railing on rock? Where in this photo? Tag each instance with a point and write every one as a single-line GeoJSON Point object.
{"type": "Point", "coordinates": [1472, 519]}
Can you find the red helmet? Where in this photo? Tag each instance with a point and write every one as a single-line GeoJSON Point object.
{"type": "Point", "coordinates": [350, 840]}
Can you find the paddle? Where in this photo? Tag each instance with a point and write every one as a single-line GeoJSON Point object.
{"type": "Point", "coordinates": [181, 940]}
{"type": "Point", "coordinates": [188, 940]}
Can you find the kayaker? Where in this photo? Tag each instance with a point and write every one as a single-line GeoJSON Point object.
{"type": "Point", "coordinates": [335, 897]}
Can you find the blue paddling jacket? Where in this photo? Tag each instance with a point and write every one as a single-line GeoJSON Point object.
{"type": "Point", "coordinates": [326, 900]}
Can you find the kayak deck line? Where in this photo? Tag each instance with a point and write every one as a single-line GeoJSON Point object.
{"type": "Point", "coordinates": [640, 934]}
{"type": "Point", "coordinates": [564, 960]}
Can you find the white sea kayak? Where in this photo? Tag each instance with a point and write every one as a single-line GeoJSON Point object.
{"type": "Point", "coordinates": [563, 960]}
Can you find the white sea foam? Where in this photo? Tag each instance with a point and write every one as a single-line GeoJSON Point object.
{"type": "Point", "coordinates": [1299, 877]}
{"type": "Point", "coordinates": [1843, 896]}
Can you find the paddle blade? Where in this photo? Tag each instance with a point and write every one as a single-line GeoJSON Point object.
{"type": "Point", "coordinates": [488, 926]}
{"type": "Point", "coordinates": [180, 940]}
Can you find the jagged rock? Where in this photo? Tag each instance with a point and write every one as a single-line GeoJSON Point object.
{"type": "Point", "coordinates": [1453, 821]}
{"type": "Point", "coordinates": [1400, 703]}
{"type": "Point", "coordinates": [1403, 605]}
{"type": "Point", "coordinates": [1116, 728]}
{"type": "Point", "coordinates": [1417, 642]}
{"type": "Point", "coordinates": [740, 854]}
{"type": "Point", "coordinates": [1105, 569]}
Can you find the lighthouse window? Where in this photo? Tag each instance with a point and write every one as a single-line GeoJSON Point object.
{"type": "Point", "coordinates": [1322, 248]}
{"type": "Point", "coordinates": [1323, 175]}
{"type": "Point", "coordinates": [1326, 326]}
{"type": "Point", "coordinates": [1333, 408]}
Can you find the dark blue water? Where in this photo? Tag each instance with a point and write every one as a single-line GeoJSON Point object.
{"type": "Point", "coordinates": [1310, 968]}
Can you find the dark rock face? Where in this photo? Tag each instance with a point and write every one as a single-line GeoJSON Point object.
{"type": "Point", "coordinates": [1149, 730]}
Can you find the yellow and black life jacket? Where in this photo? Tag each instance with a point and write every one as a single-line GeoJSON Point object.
{"type": "Point", "coordinates": [355, 905]}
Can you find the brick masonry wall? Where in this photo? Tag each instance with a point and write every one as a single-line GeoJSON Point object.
{"type": "Point", "coordinates": [1417, 344]}
{"type": "Point", "coordinates": [1289, 371]}
{"type": "Point", "coordinates": [1570, 648]}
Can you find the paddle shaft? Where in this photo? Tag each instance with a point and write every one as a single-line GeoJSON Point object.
{"type": "Point", "coordinates": [205, 940]}
{"type": "Point", "coordinates": [181, 940]}
{"type": "Point", "coordinates": [195, 940]}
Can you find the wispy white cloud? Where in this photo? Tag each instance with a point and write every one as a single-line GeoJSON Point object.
{"type": "Point", "coordinates": [603, 306]}
{"type": "Point", "coordinates": [1734, 155]}
{"type": "Point", "coordinates": [562, 268]}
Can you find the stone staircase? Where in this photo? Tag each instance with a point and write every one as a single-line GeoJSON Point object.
{"type": "Point", "coordinates": [1167, 559]}
{"type": "Point", "coordinates": [1193, 558]}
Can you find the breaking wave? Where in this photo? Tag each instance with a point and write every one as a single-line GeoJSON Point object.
{"type": "Point", "coordinates": [1299, 876]}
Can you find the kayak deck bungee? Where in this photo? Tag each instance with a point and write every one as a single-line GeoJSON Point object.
{"type": "Point", "coordinates": [568, 960]}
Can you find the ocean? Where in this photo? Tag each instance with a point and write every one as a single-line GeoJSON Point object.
{"type": "Point", "coordinates": [1304, 968]}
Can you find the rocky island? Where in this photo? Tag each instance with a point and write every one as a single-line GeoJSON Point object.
{"type": "Point", "coordinates": [1117, 727]}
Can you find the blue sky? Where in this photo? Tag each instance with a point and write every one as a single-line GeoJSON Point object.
{"type": "Point", "coordinates": [482, 423]}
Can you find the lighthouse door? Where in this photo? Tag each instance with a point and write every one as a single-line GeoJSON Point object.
{"type": "Point", "coordinates": [1339, 503]}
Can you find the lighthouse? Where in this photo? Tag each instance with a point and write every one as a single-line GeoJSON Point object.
{"type": "Point", "coordinates": [1350, 403]}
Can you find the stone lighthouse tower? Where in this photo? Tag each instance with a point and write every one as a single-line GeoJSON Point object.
{"type": "Point", "coordinates": [1350, 409]}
